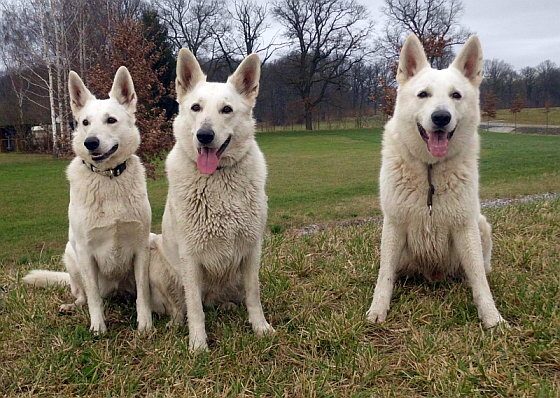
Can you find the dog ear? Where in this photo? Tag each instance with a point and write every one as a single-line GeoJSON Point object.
{"type": "Point", "coordinates": [189, 73]}
{"type": "Point", "coordinates": [246, 77]}
{"type": "Point", "coordinates": [123, 89]}
{"type": "Point", "coordinates": [469, 61]}
{"type": "Point", "coordinates": [79, 94]}
{"type": "Point", "coordinates": [412, 59]}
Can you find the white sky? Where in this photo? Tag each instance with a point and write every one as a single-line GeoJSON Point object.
{"type": "Point", "coordinates": [519, 32]}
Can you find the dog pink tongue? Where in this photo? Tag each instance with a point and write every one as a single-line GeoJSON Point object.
{"type": "Point", "coordinates": [437, 143]}
{"type": "Point", "coordinates": [207, 160]}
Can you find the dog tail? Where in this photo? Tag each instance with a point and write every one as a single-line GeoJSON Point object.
{"type": "Point", "coordinates": [44, 278]}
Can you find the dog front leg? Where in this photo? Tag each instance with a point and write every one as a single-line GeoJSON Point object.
{"type": "Point", "coordinates": [142, 276]}
{"type": "Point", "coordinates": [191, 273]}
{"type": "Point", "coordinates": [250, 277]}
{"type": "Point", "coordinates": [467, 242]}
{"type": "Point", "coordinates": [393, 239]}
{"type": "Point", "coordinates": [90, 279]}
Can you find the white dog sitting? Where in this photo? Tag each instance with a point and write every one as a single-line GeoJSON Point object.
{"type": "Point", "coordinates": [109, 213]}
{"type": "Point", "coordinates": [428, 183]}
{"type": "Point", "coordinates": [216, 209]}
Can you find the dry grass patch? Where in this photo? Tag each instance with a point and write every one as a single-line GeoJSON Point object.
{"type": "Point", "coordinates": [315, 291]}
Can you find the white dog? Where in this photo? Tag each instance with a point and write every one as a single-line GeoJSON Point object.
{"type": "Point", "coordinates": [429, 180]}
{"type": "Point", "coordinates": [216, 208]}
{"type": "Point", "coordinates": [108, 249]}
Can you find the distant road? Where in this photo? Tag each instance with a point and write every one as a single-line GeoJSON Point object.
{"type": "Point", "coordinates": [503, 127]}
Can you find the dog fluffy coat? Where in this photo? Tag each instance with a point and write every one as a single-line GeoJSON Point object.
{"type": "Point", "coordinates": [108, 245]}
{"type": "Point", "coordinates": [216, 208]}
{"type": "Point", "coordinates": [434, 126]}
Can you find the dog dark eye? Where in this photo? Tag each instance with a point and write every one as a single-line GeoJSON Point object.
{"type": "Point", "coordinates": [422, 94]}
{"type": "Point", "coordinates": [456, 95]}
{"type": "Point", "coordinates": [196, 108]}
{"type": "Point", "coordinates": [85, 122]}
{"type": "Point", "coordinates": [111, 120]}
{"type": "Point", "coordinates": [227, 109]}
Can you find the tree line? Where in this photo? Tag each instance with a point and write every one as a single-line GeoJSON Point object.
{"type": "Point", "coordinates": [321, 59]}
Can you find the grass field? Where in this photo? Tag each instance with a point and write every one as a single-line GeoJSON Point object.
{"type": "Point", "coordinates": [530, 116]}
{"type": "Point", "coordinates": [315, 291]}
{"type": "Point", "coordinates": [534, 116]}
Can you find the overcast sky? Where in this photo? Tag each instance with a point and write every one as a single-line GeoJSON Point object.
{"type": "Point", "coordinates": [519, 32]}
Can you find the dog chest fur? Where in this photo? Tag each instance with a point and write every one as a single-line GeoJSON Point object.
{"type": "Point", "coordinates": [105, 207]}
{"type": "Point", "coordinates": [222, 216]}
{"type": "Point", "coordinates": [403, 196]}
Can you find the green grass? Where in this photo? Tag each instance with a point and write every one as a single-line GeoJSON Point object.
{"type": "Point", "coordinates": [512, 165]}
{"type": "Point", "coordinates": [315, 291]}
{"type": "Point", "coordinates": [314, 177]}
{"type": "Point", "coordinates": [530, 116]}
{"type": "Point", "coordinates": [319, 176]}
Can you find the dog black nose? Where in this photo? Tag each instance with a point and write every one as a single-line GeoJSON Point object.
{"type": "Point", "coordinates": [205, 137]}
{"type": "Point", "coordinates": [441, 118]}
{"type": "Point", "coordinates": [91, 143]}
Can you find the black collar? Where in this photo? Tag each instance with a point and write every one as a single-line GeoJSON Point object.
{"type": "Point", "coordinates": [117, 171]}
{"type": "Point", "coordinates": [431, 188]}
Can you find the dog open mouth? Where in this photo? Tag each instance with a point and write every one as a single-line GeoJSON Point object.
{"type": "Point", "coordinates": [437, 140]}
{"type": "Point", "coordinates": [98, 157]}
{"type": "Point", "coordinates": [209, 158]}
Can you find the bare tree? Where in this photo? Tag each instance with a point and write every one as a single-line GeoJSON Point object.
{"type": "Point", "coordinates": [547, 106]}
{"type": "Point", "coordinates": [242, 33]}
{"type": "Point", "coordinates": [529, 77]}
{"type": "Point", "coordinates": [548, 81]}
{"type": "Point", "coordinates": [190, 23]}
{"type": "Point", "coordinates": [367, 87]}
{"type": "Point", "coordinates": [435, 22]}
{"type": "Point", "coordinates": [386, 97]}
{"type": "Point", "coordinates": [328, 37]}
{"type": "Point", "coordinates": [40, 46]}
{"type": "Point", "coordinates": [499, 77]}
{"type": "Point", "coordinates": [489, 106]}
{"type": "Point", "coordinates": [517, 106]}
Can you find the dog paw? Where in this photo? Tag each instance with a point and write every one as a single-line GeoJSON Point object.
{"type": "Point", "coordinates": [98, 328]}
{"type": "Point", "coordinates": [496, 323]}
{"type": "Point", "coordinates": [67, 308]}
{"type": "Point", "coordinates": [376, 316]}
{"type": "Point", "coordinates": [144, 327]}
{"type": "Point", "coordinates": [198, 345]}
{"type": "Point", "coordinates": [263, 329]}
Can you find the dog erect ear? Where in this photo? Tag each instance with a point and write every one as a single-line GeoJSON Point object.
{"type": "Point", "coordinates": [189, 73]}
{"type": "Point", "coordinates": [123, 89]}
{"type": "Point", "coordinates": [469, 61]}
{"type": "Point", "coordinates": [79, 94]}
{"type": "Point", "coordinates": [412, 59]}
{"type": "Point", "coordinates": [246, 77]}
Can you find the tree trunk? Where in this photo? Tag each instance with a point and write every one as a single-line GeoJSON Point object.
{"type": "Point", "coordinates": [51, 84]}
{"type": "Point", "coordinates": [58, 26]}
{"type": "Point", "coordinates": [308, 116]}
